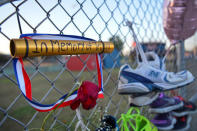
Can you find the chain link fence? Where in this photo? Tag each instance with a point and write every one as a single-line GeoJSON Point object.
{"type": "Point", "coordinates": [52, 77]}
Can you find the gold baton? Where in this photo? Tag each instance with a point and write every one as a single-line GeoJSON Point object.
{"type": "Point", "coordinates": [34, 47]}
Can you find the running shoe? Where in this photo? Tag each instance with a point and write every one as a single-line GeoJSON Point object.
{"type": "Point", "coordinates": [142, 99]}
{"type": "Point", "coordinates": [187, 108]}
{"type": "Point", "coordinates": [145, 79]}
{"type": "Point", "coordinates": [164, 121]}
{"type": "Point", "coordinates": [164, 104]}
{"type": "Point", "coordinates": [182, 123]}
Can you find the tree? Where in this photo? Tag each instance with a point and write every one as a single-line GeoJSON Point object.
{"type": "Point", "coordinates": [118, 43]}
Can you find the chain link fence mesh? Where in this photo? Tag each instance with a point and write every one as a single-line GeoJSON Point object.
{"type": "Point", "coordinates": [51, 77]}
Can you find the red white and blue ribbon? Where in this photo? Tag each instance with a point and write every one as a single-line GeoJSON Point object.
{"type": "Point", "coordinates": [100, 75]}
{"type": "Point", "coordinates": [24, 82]}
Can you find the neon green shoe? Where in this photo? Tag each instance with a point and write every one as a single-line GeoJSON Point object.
{"type": "Point", "coordinates": [136, 121]}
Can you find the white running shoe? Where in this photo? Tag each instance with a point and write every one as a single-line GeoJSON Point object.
{"type": "Point", "coordinates": [146, 99]}
{"type": "Point", "coordinates": [145, 79]}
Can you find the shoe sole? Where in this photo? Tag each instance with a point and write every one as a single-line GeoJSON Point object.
{"type": "Point", "coordinates": [187, 127]}
{"type": "Point", "coordinates": [183, 113]}
{"type": "Point", "coordinates": [165, 109]}
{"type": "Point", "coordinates": [136, 88]}
{"type": "Point", "coordinates": [144, 99]}
{"type": "Point", "coordinates": [168, 127]}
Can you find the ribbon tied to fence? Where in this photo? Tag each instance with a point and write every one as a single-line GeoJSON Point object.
{"type": "Point", "coordinates": [24, 82]}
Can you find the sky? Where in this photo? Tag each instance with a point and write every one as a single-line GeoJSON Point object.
{"type": "Point", "coordinates": [146, 13]}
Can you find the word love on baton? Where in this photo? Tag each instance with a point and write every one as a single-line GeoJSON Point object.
{"type": "Point", "coordinates": [37, 47]}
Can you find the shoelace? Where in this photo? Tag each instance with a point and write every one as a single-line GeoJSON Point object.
{"type": "Point", "coordinates": [140, 123]}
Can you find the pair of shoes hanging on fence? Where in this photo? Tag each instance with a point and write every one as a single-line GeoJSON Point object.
{"type": "Point", "coordinates": [150, 74]}
{"type": "Point", "coordinates": [147, 77]}
{"type": "Point", "coordinates": [172, 113]}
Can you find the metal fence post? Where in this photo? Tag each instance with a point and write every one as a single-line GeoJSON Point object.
{"type": "Point", "coordinates": [181, 63]}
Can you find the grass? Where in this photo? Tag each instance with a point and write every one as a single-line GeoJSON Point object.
{"type": "Point", "coordinates": [23, 112]}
